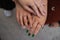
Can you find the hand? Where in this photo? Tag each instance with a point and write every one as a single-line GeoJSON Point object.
{"type": "Point", "coordinates": [42, 6]}
{"type": "Point", "coordinates": [23, 17]}
{"type": "Point", "coordinates": [37, 24]}
{"type": "Point", "coordinates": [33, 6]}
{"type": "Point", "coordinates": [36, 21]}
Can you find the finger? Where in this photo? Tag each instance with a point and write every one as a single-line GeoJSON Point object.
{"type": "Point", "coordinates": [41, 8]}
{"type": "Point", "coordinates": [29, 9]}
{"type": "Point", "coordinates": [30, 20]}
{"type": "Point", "coordinates": [25, 20]}
{"type": "Point", "coordinates": [21, 20]}
{"type": "Point", "coordinates": [36, 11]}
{"type": "Point", "coordinates": [44, 10]}
{"type": "Point", "coordinates": [37, 29]}
{"type": "Point", "coordinates": [33, 27]}
{"type": "Point", "coordinates": [17, 16]}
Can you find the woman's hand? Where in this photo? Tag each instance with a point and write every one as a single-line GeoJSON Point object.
{"type": "Point", "coordinates": [33, 6]}
{"type": "Point", "coordinates": [31, 22]}
{"type": "Point", "coordinates": [37, 24]}
{"type": "Point", "coordinates": [23, 17]}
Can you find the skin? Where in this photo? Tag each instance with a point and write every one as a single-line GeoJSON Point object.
{"type": "Point", "coordinates": [35, 5]}
{"type": "Point", "coordinates": [22, 16]}
{"type": "Point", "coordinates": [35, 22]}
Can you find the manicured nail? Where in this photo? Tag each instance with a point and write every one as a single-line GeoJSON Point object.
{"type": "Point", "coordinates": [29, 34]}
{"type": "Point", "coordinates": [33, 35]}
{"type": "Point", "coordinates": [24, 27]}
{"type": "Point", "coordinates": [27, 31]}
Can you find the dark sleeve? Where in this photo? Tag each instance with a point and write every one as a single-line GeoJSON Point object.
{"type": "Point", "coordinates": [7, 4]}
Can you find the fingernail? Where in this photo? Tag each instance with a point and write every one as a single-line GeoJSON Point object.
{"type": "Point", "coordinates": [24, 27]}
{"type": "Point", "coordinates": [27, 31]}
{"type": "Point", "coordinates": [31, 25]}
{"type": "Point", "coordinates": [29, 34]}
{"type": "Point", "coordinates": [33, 35]}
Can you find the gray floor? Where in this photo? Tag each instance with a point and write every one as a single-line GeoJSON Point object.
{"type": "Point", "coordinates": [10, 30]}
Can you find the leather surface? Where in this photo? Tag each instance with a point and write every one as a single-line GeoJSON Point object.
{"type": "Point", "coordinates": [53, 11]}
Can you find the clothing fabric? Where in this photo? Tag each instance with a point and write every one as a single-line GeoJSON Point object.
{"type": "Point", "coordinates": [7, 4]}
{"type": "Point", "coordinates": [10, 30]}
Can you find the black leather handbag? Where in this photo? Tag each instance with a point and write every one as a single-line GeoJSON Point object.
{"type": "Point", "coordinates": [53, 11]}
